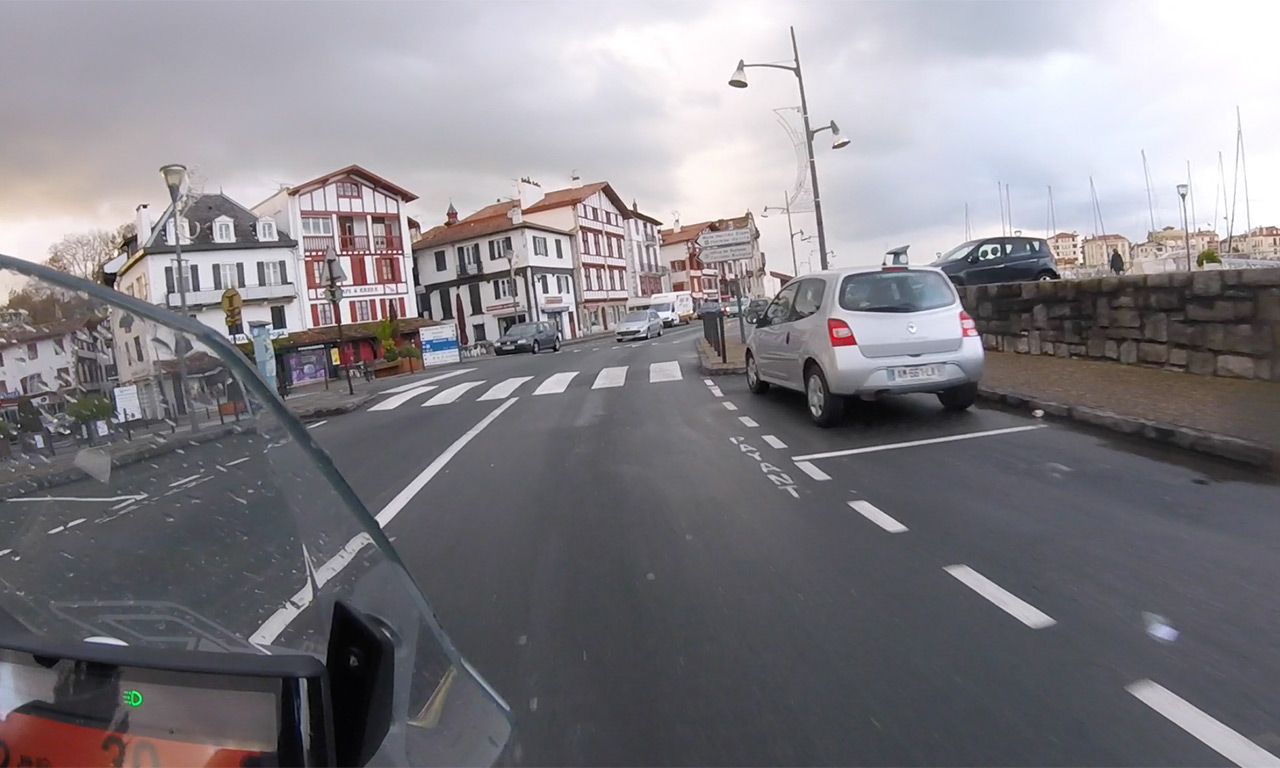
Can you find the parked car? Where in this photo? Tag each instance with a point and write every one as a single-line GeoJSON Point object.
{"type": "Point", "coordinates": [866, 332]}
{"type": "Point", "coordinates": [755, 309]}
{"type": "Point", "coordinates": [641, 324]}
{"type": "Point", "coordinates": [528, 337]}
{"type": "Point", "coordinates": [999, 260]}
{"type": "Point", "coordinates": [710, 307]}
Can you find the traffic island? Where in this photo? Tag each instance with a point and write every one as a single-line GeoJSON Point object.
{"type": "Point", "coordinates": [710, 364]}
{"type": "Point", "coordinates": [1229, 418]}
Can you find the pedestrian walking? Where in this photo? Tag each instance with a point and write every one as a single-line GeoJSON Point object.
{"type": "Point", "coordinates": [1117, 261]}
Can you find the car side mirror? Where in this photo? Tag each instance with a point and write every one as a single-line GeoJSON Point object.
{"type": "Point", "coordinates": [761, 321]}
{"type": "Point", "coordinates": [972, 258]}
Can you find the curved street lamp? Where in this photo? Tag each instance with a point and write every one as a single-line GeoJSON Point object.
{"type": "Point", "coordinates": [739, 80]}
{"type": "Point", "coordinates": [174, 174]}
{"type": "Point", "coordinates": [1186, 227]}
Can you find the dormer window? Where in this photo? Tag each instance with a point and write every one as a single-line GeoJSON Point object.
{"type": "Point", "coordinates": [223, 230]}
{"type": "Point", "coordinates": [186, 231]}
{"type": "Point", "coordinates": [267, 230]}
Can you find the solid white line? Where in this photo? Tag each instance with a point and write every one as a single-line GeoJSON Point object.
{"type": "Point", "coordinates": [913, 443]}
{"type": "Point", "coordinates": [452, 393]}
{"type": "Point", "coordinates": [747, 421]}
{"type": "Point", "coordinates": [420, 382]}
{"type": "Point", "coordinates": [1209, 731]}
{"type": "Point", "coordinates": [184, 480]}
{"type": "Point", "coordinates": [1003, 599]}
{"type": "Point", "coordinates": [556, 383]}
{"type": "Point", "coordinates": [708, 382]}
{"type": "Point", "coordinates": [716, 391]}
{"type": "Point", "coordinates": [728, 406]}
{"type": "Point", "coordinates": [237, 461]}
{"type": "Point", "coordinates": [77, 498]}
{"type": "Point", "coordinates": [395, 401]}
{"type": "Point", "coordinates": [616, 346]}
{"type": "Point", "coordinates": [812, 471]}
{"type": "Point", "coordinates": [611, 377]}
{"type": "Point", "coordinates": [664, 372]}
{"type": "Point", "coordinates": [320, 423]}
{"type": "Point", "coordinates": [773, 442]}
{"type": "Point", "coordinates": [872, 513]}
{"type": "Point", "coordinates": [504, 389]}
{"type": "Point", "coordinates": [281, 619]}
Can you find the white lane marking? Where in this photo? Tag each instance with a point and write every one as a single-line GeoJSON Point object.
{"type": "Point", "coordinates": [577, 350]}
{"type": "Point", "coordinates": [611, 377]}
{"type": "Point", "coordinates": [1209, 731]}
{"type": "Point", "coordinates": [913, 443]}
{"type": "Point", "coordinates": [595, 349]}
{"type": "Point", "coordinates": [873, 513]}
{"type": "Point", "coordinates": [747, 421]}
{"type": "Point", "coordinates": [420, 382]}
{"type": "Point", "coordinates": [137, 497]}
{"type": "Point", "coordinates": [812, 471]}
{"type": "Point", "coordinates": [320, 423]}
{"type": "Point", "coordinates": [1003, 599]}
{"type": "Point", "coordinates": [716, 391]}
{"type": "Point", "coordinates": [708, 382]}
{"type": "Point", "coordinates": [616, 346]}
{"type": "Point", "coordinates": [76, 522]}
{"type": "Point", "coordinates": [773, 442]}
{"type": "Point", "coordinates": [664, 372]}
{"type": "Point", "coordinates": [237, 461]}
{"type": "Point", "coordinates": [452, 393]}
{"type": "Point", "coordinates": [280, 620]}
{"type": "Point", "coordinates": [556, 383]}
{"type": "Point", "coordinates": [395, 401]}
{"type": "Point", "coordinates": [185, 480]}
{"type": "Point", "coordinates": [59, 529]}
{"type": "Point", "coordinates": [503, 390]}
{"type": "Point", "coordinates": [728, 406]}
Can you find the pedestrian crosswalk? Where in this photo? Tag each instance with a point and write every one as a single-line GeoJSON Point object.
{"type": "Point", "coordinates": [445, 392]}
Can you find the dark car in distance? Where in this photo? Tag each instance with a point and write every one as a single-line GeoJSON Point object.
{"type": "Point", "coordinates": [528, 337]}
{"type": "Point", "coordinates": [1013, 259]}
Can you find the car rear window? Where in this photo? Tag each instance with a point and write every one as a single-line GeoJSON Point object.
{"type": "Point", "coordinates": [896, 291]}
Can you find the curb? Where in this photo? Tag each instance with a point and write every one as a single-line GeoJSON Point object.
{"type": "Point", "coordinates": [709, 366]}
{"type": "Point", "coordinates": [327, 411]}
{"type": "Point", "coordinates": [1188, 438]}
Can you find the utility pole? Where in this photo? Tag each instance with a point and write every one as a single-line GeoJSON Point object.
{"type": "Point", "coordinates": [173, 178]}
{"type": "Point", "coordinates": [336, 275]}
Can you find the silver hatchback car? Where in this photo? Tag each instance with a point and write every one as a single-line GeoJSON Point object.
{"type": "Point", "coordinates": [866, 332]}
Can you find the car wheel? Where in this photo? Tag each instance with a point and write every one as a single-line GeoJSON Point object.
{"type": "Point", "coordinates": [825, 408]}
{"type": "Point", "coordinates": [660, 331]}
{"type": "Point", "coordinates": [533, 350]}
{"type": "Point", "coordinates": [556, 348]}
{"type": "Point", "coordinates": [1046, 276]}
{"type": "Point", "coordinates": [958, 398]}
{"type": "Point", "coordinates": [754, 383]}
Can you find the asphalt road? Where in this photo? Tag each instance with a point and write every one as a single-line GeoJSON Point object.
{"type": "Point", "coordinates": [656, 570]}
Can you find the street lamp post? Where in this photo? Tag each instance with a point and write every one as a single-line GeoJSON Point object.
{"type": "Point", "coordinates": [1186, 228]}
{"type": "Point", "coordinates": [739, 80]}
{"type": "Point", "coordinates": [786, 200]}
{"type": "Point", "coordinates": [174, 175]}
{"type": "Point", "coordinates": [336, 274]}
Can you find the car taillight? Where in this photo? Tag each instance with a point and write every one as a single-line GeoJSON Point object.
{"type": "Point", "coordinates": [840, 333]}
{"type": "Point", "coordinates": [967, 324]}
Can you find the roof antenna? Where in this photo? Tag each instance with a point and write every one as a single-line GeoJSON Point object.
{"type": "Point", "coordinates": [574, 177]}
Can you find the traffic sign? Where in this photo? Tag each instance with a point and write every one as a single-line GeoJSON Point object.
{"type": "Point", "coordinates": [724, 237]}
{"type": "Point", "coordinates": [726, 253]}
{"type": "Point", "coordinates": [231, 299]}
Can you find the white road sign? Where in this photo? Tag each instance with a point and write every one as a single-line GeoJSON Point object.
{"type": "Point", "coordinates": [728, 253]}
{"type": "Point", "coordinates": [725, 237]}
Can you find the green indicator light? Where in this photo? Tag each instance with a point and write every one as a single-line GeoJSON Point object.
{"type": "Point", "coordinates": [133, 698]}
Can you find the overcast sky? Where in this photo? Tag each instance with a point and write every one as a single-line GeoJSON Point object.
{"type": "Point", "coordinates": [454, 100]}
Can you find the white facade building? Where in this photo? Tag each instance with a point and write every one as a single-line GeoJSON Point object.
{"type": "Point", "coordinates": [1066, 249]}
{"type": "Point", "coordinates": [362, 217]}
{"type": "Point", "coordinates": [465, 276]}
{"type": "Point", "coordinates": [649, 274]}
{"type": "Point", "coordinates": [70, 356]}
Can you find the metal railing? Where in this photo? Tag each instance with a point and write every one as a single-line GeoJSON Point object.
{"type": "Point", "coordinates": [466, 268]}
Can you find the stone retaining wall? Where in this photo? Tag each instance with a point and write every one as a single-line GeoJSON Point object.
{"type": "Point", "coordinates": [1212, 323]}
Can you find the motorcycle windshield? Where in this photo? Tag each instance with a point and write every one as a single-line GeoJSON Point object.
{"type": "Point", "coordinates": [157, 493]}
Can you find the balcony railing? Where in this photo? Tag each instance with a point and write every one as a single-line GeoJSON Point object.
{"type": "Point", "coordinates": [388, 244]}
{"type": "Point", "coordinates": [349, 243]}
{"type": "Point", "coordinates": [468, 268]}
{"type": "Point", "coordinates": [317, 243]}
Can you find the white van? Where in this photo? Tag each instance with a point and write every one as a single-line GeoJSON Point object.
{"type": "Point", "coordinates": [673, 308]}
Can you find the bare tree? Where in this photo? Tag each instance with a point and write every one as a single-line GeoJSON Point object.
{"type": "Point", "coordinates": [82, 254]}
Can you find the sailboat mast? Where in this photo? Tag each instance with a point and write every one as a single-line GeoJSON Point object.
{"type": "Point", "coordinates": [1146, 174]}
{"type": "Point", "coordinates": [1004, 232]}
{"type": "Point", "coordinates": [968, 234]}
{"type": "Point", "coordinates": [1053, 216]}
{"type": "Point", "coordinates": [1235, 188]}
{"type": "Point", "coordinates": [1222, 187]}
{"type": "Point", "coordinates": [1008, 207]}
{"type": "Point", "coordinates": [1192, 189]}
{"type": "Point", "coordinates": [1244, 171]}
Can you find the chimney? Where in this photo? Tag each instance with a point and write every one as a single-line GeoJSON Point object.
{"type": "Point", "coordinates": [451, 216]}
{"type": "Point", "coordinates": [143, 223]}
{"type": "Point", "coordinates": [515, 213]}
{"type": "Point", "coordinates": [675, 225]}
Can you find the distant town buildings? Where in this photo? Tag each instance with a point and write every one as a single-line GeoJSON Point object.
{"type": "Point", "coordinates": [1096, 251]}
{"type": "Point", "coordinates": [1066, 249]}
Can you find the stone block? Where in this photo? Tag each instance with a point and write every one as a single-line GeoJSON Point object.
{"type": "Point", "coordinates": [1179, 333]}
{"type": "Point", "coordinates": [1178, 357]}
{"type": "Point", "coordinates": [1262, 369]}
{"type": "Point", "coordinates": [1116, 332]}
{"type": "Point", "coordinates": [1156, 327]}
{"type": "Point", "coordinates": [985, 310]}
{"type": "Point", "coordinates": [1158, 280]}
{"type": "Point", "coordinates": [1260, 277]}
{"type": "Point", "coordinates": [1076, 350]}
{"type": "Point", "coordinates": [1235, 366]}
{"type": "Point", "coordinates": [1126, 318]}
{"type": "Point", "coordinates": [1153, 353]}
{"type": "Point", "coordinates": [1126, 299]}
{"type": "Point", "coordinates": [1164, 300]}
{"type": "Point", "coordinates": [1061, 350]}
{"type": "Point", "coordinates": [1033, 343]}
{"type": "Point", "coordinates": [1109, 284]}
{"type": "Point", "coordinates": [1179, 279]}
{"type": "Point", "coordinates": [1129, 352]}
{"type": "Point", "coordinates": [1201, 363]}
{"type": "Point", "coordinates": [1040, 316]}
{"type": "Point", "coordinates": [1268, 307]}
{"type": "Point", "coordinates": [1112, 350]}
{"type": "Point", "coordinates": [1022, 346]}
{"type": "Point", "coordinates": [1096, 348]}
{"type": "Point", "coordinates": [1102, 313]}
{"type": "Point", "coordinates": [1220, 311]}
{"type": "Point", "coordinates": [1206, 283]}
{"type": "Point", "coordinates": [1209, 336]}
{"type": "Point", "coordinates": [1071, 332]}
{"type": "Point", "coordinates": [1247, 339]}
{"type": "Point", "coordinates": [1061, 309]}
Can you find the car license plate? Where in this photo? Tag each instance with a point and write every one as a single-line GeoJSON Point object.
{"type": "Point", "coordinates": [916, 373]}
{"type": "Point", "coordinates": [508, 346]}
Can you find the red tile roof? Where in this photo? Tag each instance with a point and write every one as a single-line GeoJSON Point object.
{"type": "Point", "coordinates": [574, 195]}
{"type": "Point", "coordinates": [687, 232]}
{"type": "Point", "coordinates": [358, 172]}
{"type": "Point", "coordinates": [500, 208]}
{"type": "Point", "coordinates": [471, 228]}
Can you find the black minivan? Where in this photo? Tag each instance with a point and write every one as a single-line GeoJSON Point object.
{"type": "Point", "coordinates": [999, 260]}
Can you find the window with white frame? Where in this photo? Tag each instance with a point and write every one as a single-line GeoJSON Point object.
{"type": "Point", "coordinates": [324, 313]}
{"type": "Point", "coordinates": [267, 230]}
{"type": "Point", "coordinates": [543, 283]}
{"type": "Point", "coordinates": [363, 310]}
{"type": "Point", "coordinates": [228, 275]}
{"type": "Point", "coordinates": [186, 230]}
{"type": "Point", "coordinates": [502, 289]}
{"type": "Point", "coordinates": [562, 283]}
{"type": "Point", "coordinates": [223, 230]}
{"type": "Point", "coordinates": [317, 225]}
{"type": "Point", "coordinates": [539, 246]}
{"type": "Point", "coordinates": [273, 273]}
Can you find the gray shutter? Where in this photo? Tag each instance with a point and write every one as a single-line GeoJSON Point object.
{"type": "Point", "coordinates": [195, 278]}
{"type": "Point", "coordinates": [217, 277]}
{"type": "Point", "coordinates": [240, 275]}
{"type": "Point", "coordinates": [168, 280]}
{"type": "Point", "coordinates": [284, 274]}
{"type": "Point", "coordinates": [262, 273]}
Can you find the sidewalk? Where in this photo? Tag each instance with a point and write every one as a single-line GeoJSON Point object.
{"type": "Point", "coordinates": [318, 403]}
{"type": "Point", "coordinates": [1231, 418]}
{"type": "Point", "coordinates": [735, 360]}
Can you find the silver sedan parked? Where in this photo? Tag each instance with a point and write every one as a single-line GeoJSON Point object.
{"type": "Point", "coordinates": [640, 324]}
{"type": "Point", "coordinates": [866, 332]}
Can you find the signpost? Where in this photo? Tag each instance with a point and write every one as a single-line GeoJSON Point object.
{"type": "Point", "coordinates": [439, 344]}
{"type": "Point", "coordinates": [724, 238]}
{"type": "Point", "coordinates": [231, 305]}
{"type": "Point", "coordinates": [336, 275]}
{"type": "Point", "coordinates": [727, 253]}
{"type": "Point", "coordinates": [264, 354]}
{"type": "Point", "coordinates": [128, 407]}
